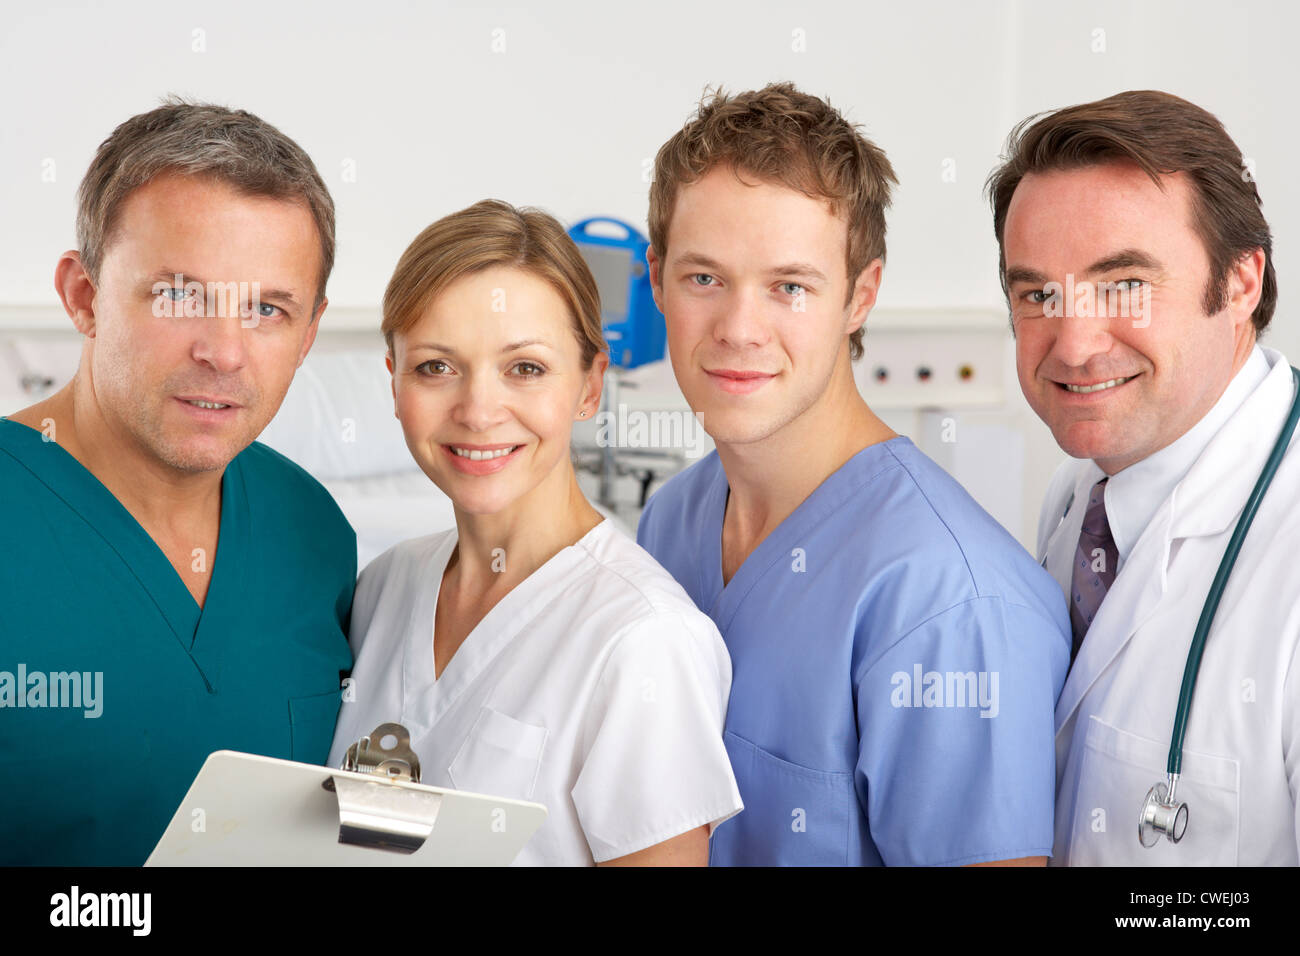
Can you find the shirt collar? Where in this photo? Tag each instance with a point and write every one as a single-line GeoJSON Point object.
{"type": "Point", "coordinates": [1135, 494]}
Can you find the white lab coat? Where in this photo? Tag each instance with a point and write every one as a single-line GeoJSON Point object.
{"type": "Point", "coordinates": [1241, 757]}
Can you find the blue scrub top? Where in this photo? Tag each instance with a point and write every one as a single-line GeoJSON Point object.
{"type": "Point", "coordinates": [896, 661]}
{"type": "Point", "coordinates": [160, 682]}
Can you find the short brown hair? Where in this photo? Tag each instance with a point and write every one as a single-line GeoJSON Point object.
{"type": "Point", "coordinates": [1162, 134]}
{"type": "Point", "coordinates": [493, 233]}
{"type": "Point", "coordinates": [781, 135]}
{"type": "Point", "coordinates": [198, 139]}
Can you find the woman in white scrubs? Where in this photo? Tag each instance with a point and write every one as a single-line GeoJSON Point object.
{"type": "Point", "coordinates": [533, 651]}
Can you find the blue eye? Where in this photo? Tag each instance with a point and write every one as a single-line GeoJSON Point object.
{"type": "Point", "coordinates": [702, 275]}
{"type": "Point", "coordinates": [1130, 285]}
{"type": "Point", "coordinates": [798, 289]}
{"type": "Point", "coordinates": [263, 306]}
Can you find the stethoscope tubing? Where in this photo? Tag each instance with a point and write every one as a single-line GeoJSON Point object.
{"type": "Point", "coordinates": [1197, 649]}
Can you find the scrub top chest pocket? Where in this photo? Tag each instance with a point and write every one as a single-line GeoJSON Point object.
{"type": "Point", "coordinates": [793, 816]}
{"type": "Point", "coordinates": [501, 756]}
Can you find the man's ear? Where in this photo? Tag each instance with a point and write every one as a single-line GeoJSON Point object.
{"type": "Point", "coordinates": [865, 289]}
{"type": "Point", "coordinates": [76, 292]}
{"type": "Point", "coordinates": [312, 328]}
{"type": "Point", "coordinates": [1246, 285]}
{"type": "Point", "coordinates": [656, 288]}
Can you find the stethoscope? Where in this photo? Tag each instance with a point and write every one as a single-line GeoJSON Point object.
{"type": "Point", "coordinates": [1162, 811]}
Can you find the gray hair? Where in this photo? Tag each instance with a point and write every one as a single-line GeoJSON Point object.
{"type": "Point", "coordinates": [198, 139]}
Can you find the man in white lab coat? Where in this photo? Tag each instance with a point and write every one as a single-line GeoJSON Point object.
{"type": "Point", "coordinates": [1138, 268]}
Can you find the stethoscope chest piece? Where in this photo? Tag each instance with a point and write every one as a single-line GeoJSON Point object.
{"type": "Point", "coordinates": [1162, 814]}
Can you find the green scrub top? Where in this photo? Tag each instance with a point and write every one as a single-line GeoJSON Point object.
{"type": "Point", "coordinates": [115, 685]}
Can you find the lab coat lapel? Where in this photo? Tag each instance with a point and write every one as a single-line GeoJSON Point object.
{"type": "Point", "coordinates": [1056, 553]}
{"type": "Point", "coordinates": [1212, 495]}
{"type": "Point", "coordinates": [1132, 599]}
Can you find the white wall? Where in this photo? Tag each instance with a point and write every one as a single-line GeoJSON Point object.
{"type": "Point", "coordinates": [415, 99]}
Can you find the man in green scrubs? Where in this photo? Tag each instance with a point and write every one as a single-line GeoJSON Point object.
{"type": "Point", "coordinates": [168, 586]}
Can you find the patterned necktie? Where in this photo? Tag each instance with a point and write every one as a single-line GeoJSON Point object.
{"type": "Point", "coordinates": [1095, 561]}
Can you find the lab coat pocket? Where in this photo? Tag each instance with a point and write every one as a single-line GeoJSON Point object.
{"type": "Point", "coordinates": [311, 725]}
{"type": "Point", "coordinates": [1117, 770]}
{"type": "Point", "coordinates": [793, 816]}
{"type": "Point", "coordinates": [500, 757]}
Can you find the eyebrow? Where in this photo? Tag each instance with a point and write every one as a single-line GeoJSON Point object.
{"type": "Point", "coordinates": [1016, 274]}
{"type": "Point", "coordinates": [439, 347]}
{"type": "Point", "coordinates": [803, 269]}
{"type": "Point", "coordinates": [263, 295]}
{"type": "Point", "coordinates": [799, 269]}
{"type": "Point", "coordinates": [1124, 259]}
{"type": "Point", "coordinates": [697, 259]}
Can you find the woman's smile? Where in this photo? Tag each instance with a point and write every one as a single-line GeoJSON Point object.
{"type": "Point", "coordinates": [480, 459]}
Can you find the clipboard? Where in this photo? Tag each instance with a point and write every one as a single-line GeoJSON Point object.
{"type": "Point", "coordinates": [248, 810]}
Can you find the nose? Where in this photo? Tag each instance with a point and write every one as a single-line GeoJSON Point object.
{"type": "Point", "coordinates": [220, 341]}
{"type": "Point", "coordinates": [478, 405]}
{"type": "Point", "coordinates": [1081, 337]}
{"type": "Point", "coordinates": [740, 322]}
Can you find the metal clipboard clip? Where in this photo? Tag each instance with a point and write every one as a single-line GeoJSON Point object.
{"type": "Point", "coordinates": [384, 813]}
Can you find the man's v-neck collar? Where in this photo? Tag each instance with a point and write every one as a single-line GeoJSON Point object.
{"type": "Point", "coordinates": [826, 498]}
{"type": "Point", "coordinates": [74, 484]}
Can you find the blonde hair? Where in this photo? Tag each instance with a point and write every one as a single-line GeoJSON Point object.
{"type": "Point", "coordinates": [781, 135]}
{"type": "Point", "coordinates": [493, 233]}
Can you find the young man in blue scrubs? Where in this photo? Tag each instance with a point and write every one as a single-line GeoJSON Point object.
{"type": "Point", "coordinates": [169, 586]}
{"type": "Point", "coordinates": [896, 654]}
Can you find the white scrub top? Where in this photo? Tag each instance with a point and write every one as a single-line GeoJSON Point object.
{"type": "Point", "coordinates": [595, 687]}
